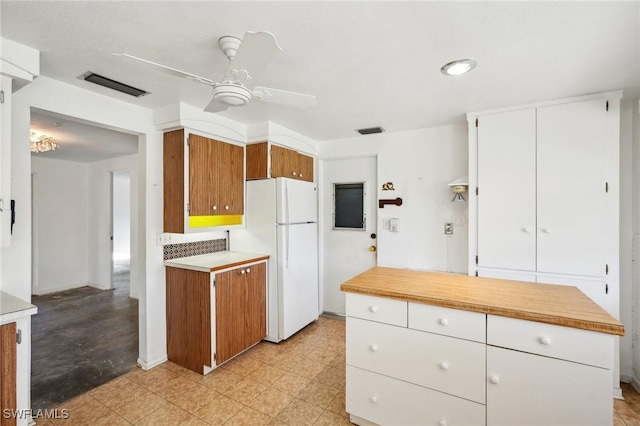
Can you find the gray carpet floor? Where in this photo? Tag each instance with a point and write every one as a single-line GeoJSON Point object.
{"type": "Point", "coordinates": [81, 339]}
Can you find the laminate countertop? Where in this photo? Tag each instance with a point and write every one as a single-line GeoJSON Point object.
{"type": "Point", "coordinates": [547, 303]}
{"type": "Point", "coordinates": [12, 308]}
{"type": "Point", "coordinates": [215, 261]}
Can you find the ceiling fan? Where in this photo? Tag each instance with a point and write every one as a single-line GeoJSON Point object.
{"type": "Point", "coordinates": [248, 57]}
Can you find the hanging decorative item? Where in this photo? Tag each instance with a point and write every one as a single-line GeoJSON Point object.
{"type": "Point", "coordinates": [388, 186]}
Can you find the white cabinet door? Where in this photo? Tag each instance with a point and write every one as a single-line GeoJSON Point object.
{"type": "Point", "coordinates": [571, 157]}
{"type": "Point", "coordinates": [507, 190]}
{"type": "Point", "coordinates": [525, 389]}
{"type": "Point", "coordinates": [5, 162]}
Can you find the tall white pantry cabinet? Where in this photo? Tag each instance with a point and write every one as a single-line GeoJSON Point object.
{"type": "Point", "coordinates": [544, 195]}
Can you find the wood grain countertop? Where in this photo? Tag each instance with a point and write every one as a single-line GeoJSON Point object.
{"type": "Point", "coordinates": [215, 261]}
{"type": "Point", "coordinates": [552, 304]}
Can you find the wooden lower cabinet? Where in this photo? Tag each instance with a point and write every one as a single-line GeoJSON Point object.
{"type": "Point", "coordinates": [8, 359]}
{"type": "Point", "coordinates": [212, 317]}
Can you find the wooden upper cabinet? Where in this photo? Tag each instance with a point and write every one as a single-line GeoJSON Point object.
{"type": "Point", "coordinates": [265, 160]}
{"type": "Point", "coordinates": [215, 182]}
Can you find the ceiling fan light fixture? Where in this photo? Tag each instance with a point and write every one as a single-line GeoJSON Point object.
{"type": "Point", "coordinates": [232, 94]}
{"type": "Point", "coordinates": [458, 67]}
{"type": "Point", "coordinates": [229, 45]}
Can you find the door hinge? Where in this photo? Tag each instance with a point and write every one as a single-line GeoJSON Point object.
{"type": "Point", "coordinates": [476, 190]}
{"type": "Point", "coordinates": [214, 356]}
{"type": "Point", "coordinates": [188, 141]}
{"type": "Point", "coordinates": [606, 289]}
{"type": "Point", "coordinates": [476, 259]}
{"type": "Point", "coordinates": [19, 336]}
{"type": "Point", "coordinates": [476, 122]}
{"type": "Point", "coordinates": [606, 187]}
{"type": "Point", "coordinates": [607, 105]}
{"type": "Point", "coordinates": [214, 282]}
{"type": "Point", "coordinates": [188, 208]}
{"type": "Point", "coordinates": [1, 96]}
{"type": "Point", "coordinates": [606, 269]}
{"type": "Point", "coordinates": [476, 273]}
{"type": "Point", "coordinates": [269, 171]}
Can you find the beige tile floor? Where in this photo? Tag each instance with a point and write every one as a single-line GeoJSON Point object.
{"type": "Point", "coordinates": [298, 382]}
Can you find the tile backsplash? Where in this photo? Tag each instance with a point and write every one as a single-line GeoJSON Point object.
{"type": "Point", "coordinates": [174, 251]}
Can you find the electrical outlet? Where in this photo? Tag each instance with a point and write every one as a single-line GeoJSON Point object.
{"type": "Point", "coordinates": [163, 239]}
{"type": "Point", "coordinates": [448, 228]}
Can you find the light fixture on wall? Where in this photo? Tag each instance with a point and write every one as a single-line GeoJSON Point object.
{"type": "Point", "coordinates": [459, 187]}
{"type": "Point", "coordinates": [458, 67]}
{"type": "Point", "coordinates": [42, 143]}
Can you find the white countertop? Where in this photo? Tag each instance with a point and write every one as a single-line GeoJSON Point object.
{"type": "Point", "coordinates": [12, 308]}
{"type": "Point", "coordinates": [214, 261]}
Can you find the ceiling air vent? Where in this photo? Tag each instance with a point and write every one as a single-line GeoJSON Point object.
{"type": "Point", "coordinates": [112, 84]}
{"type": "Point", "coordinates": [370, 130]}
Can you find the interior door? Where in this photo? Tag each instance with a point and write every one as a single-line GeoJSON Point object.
{"type": "Point", "coordinates": [571, 188]}
{"type": "Point", "coordinates": [354, 246]}
{"type": "Point", "coordinates": [297, 276]}
{"type": "Point", "coordinates": [507, 190]}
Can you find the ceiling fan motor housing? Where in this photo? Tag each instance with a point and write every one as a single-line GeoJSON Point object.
{"type": "Point", "coordinates": [231, 93]}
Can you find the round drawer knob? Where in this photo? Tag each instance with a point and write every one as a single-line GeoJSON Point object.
{"type": "Point", "coordinates": [442, 423]}
{"type": "Point", "coordinates": [242, 272]}
{"type": "Point", "coordinates": [374, 348]}
{"type": "Point", "coordinates": [214, 207]}
{"type": "Point", "coordinates": [545, 340]}
{"type": "Point", "coordinates": [248, 270]}
{"type": "Point", "coordinates": [444, 366]}
{"type": "Point", "coordinates": [373, 309]}
{"type": "Point", "coordinates": [300, 174]}
{"type": "Point", "coordinates": [293, 173]}
{"type": "Point", "coordinates": [494, 379]}
{"type": "Point", "coordinates": [374, 399]}
{"type": "Point", "coordinates": [443, 321]}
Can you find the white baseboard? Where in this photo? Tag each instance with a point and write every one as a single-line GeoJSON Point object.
{"type": "Point", "coordinates": [56, 290]}
{"type": "Point", "coordinates": [147, 365]}
{"type": "Point", "coordinates": [98, 287]}
{"type": "Point", "coordinates": [134, 296]}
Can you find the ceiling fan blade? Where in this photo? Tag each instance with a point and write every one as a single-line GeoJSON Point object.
{"type": "Point", "coordinates": [283, 97]}
{"type": "Point", "coordinates": [256, 51]}
{"type": "Point", "coordinates": [170, 70]}
{"type": "Point", "coordinates": [216, 106]}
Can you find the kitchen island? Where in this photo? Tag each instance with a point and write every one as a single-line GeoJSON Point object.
{"type": "Point", "coordinates": [447, 349]}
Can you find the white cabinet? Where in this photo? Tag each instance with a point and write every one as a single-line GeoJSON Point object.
{"type": "Point", "coordinates": [5, 161]}
{"type": "Point", "coordinates": [544, 201]}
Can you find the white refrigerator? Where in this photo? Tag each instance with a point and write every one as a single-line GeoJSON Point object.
{"type": "Point", "coordinates": [281, 221]}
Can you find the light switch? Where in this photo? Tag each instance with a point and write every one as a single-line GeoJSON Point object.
{"type": "Point", "coordinates": [394, 225]}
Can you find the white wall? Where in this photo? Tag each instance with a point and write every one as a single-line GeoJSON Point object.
{"type": "Point", "coordinates": [121, 216]}
{"type": "Point", "coordinates": [420, 164]}
{"type": "Point", "coordinates": [633, 326]}
{"type": "Point", "coordinates": [99, 220]}
{"type": "Point", "coordinates": [61, 198]}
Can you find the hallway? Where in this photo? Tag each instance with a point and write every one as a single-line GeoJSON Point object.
{"type": "Point", "coordinates": [81, 339]}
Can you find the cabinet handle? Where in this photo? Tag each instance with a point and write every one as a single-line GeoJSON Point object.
{"type": "Point", "coordinates": [226, 207]}
{"type": "Point", "coordinates": [545, 340]}
{"type": "Point", "coordinates": [374, 348]}
{"type": "Point", "coordinates": [373, 309]}
{"type": "Point", "coordinates": [293, 173]}
{"type": "Point", "coordinates": [242, 272]}
{"type": "Point", "coordinates": [300, 174]}
{"type": "Point", "coordinates": [214, 207]}
{"type": "Point", "coordinates": [444, 366]}
{"type": "Point", "coordinates": [494, 379]}
{"type": "Point", "coordinates": [248, 270]}
{"type": "Point", "coordinates": [546, 230]}
{"type": "Point", "coordinates": [374, 399]}
{"type": "Point", "coordinates": [526, 230]}
{"type": "Point", "coordinates": [443, 321]}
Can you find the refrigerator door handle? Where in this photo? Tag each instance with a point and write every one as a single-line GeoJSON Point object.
{"type": "Point", "coordinates": [288, 243]}
{"type": "Point", "coordinates": [287, 219]}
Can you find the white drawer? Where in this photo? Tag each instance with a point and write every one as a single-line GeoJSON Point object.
{"type": "Point", "coordinates": [379, 309]}
{"type": "Point", "coordinates": [571, 344]}
{"type": "Point", "coordinates": [449, 322]}
{"type": "Point", "coordinates": [388, 401]}
{"type": "Point", "coordinates": [446, 364]}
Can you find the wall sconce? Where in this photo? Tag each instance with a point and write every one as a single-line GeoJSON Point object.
{"type": "Point", "coordinates": [459, 187]}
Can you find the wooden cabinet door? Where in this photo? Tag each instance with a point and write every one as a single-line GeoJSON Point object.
{"type": "Point", "coordinates": [200, 176]}
{"type": "Point", "coordinates": [572, 203]}
{"type": "Point", "coordinates": [8, 359]}
{"type": "Point", "coordinates": [305, 167]}
{"type": "Point", "coordinates": [549, 391]}
{"type": "Point", "coordinates": [256, 313]}
{"type": "Point", "coordinates": [231, 308]}
{"type": "Point", "coordinates": [231, 183]}
{"type": "Point", "coordinates": [284, 162]}
{"type": "Point", "coordinates": [257, 160]}
{"type": "Point", "coordinates": [507, 190]}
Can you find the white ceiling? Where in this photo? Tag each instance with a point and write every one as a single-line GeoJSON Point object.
{"type": "Point", "coordinates": [370, 63]}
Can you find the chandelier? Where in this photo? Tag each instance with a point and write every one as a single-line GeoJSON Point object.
{"type": "Point", "coordinates": [42, 143]}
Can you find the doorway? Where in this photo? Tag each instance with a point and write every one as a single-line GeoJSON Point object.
{"type": "Point", "coordinates": [121, 231]}
{"type": "Point", "coordinates": [349, 225]}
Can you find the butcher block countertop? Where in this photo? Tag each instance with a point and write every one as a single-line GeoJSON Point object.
{"type": "Point", "coordinates": [215, 261]}
{"type": "Point", "coordinates": [552, 304]}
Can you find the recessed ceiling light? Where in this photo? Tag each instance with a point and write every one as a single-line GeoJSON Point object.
{"type": "Point", "coordinates": [458, 67]}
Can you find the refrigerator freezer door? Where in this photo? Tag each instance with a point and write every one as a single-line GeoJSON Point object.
{"type": "Point", "coordinates": [297, 277]}
{"type": "Point", "coordinates": [297, 201]}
